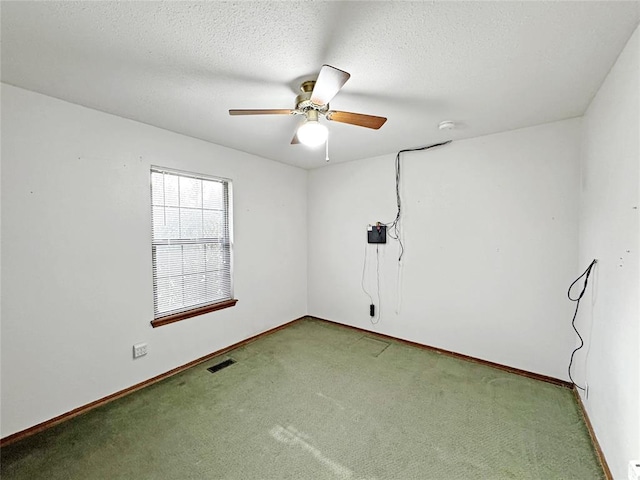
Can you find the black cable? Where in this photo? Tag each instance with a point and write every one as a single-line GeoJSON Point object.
{"type": "Point", "coordinates": [585, 274]}
{"type": "Point", "coordinates": [378, 282]}
{"type": "Point", "coordinates": [394, 227]}
{"type": "Point", "coordinates": [364, 267]}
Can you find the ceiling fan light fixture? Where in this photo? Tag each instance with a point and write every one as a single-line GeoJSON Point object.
{"type": "Point", "coordinates": [312, 102]}
{"type": "Point", "coordinates": [312, 133]}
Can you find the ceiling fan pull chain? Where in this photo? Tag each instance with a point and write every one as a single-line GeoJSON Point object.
{"type": "Point", "coordinates": [326, 149]}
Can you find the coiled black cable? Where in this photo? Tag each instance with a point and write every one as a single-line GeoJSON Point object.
{"type": "Point", "coordinates": [585, 274]}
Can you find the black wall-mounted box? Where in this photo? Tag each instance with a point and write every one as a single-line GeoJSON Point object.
{"type": "Point", "coordinates": [377, 234]}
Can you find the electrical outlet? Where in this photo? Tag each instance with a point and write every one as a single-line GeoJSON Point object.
{"type": "Point", "coordinates": [139, 349]}
{"type": "Point", "coordinates": [634, 470]}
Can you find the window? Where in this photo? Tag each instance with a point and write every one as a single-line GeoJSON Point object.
{"type": "Point", "coordinates": [191, 245]}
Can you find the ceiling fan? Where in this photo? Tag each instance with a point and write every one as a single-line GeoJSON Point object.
{"type": "Point", "coordinates": [313, 102]}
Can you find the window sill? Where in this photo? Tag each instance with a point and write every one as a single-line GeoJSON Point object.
{"type": "Point", "coordinates": [176, 317]}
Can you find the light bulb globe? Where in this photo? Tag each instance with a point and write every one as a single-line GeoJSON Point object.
{"type": "Point", "coordinates": [312, 133]}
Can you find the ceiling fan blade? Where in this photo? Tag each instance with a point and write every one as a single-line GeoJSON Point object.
{"type": "Point", "coordinates": [295, 140]}
{"type": "Point", "coordinates": [282, 111]}
{"type": "Point", "coordinates": [359, 119]}
{"type": "Point", "coordinates": [329, 82]}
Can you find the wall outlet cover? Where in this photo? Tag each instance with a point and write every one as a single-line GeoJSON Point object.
{"type": "Point", "coordinates": [634, 470]}
{"type": "Point", "coordinates": [139, 350]}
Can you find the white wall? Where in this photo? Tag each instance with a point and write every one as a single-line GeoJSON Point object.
{"type": "Point", "coordinates": [610, 232]}
{"type": "Point", "coordinates": [76, 256]}
{"type": "Point", "coordinates": [490, 228]}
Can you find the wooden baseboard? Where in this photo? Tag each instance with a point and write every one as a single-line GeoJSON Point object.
{"type": "Point", "coordinates": [517, 371]}
{"type": "Point", "coordinates": [592, 434]}
{"type": "Point", "coordinates": [9, 439]}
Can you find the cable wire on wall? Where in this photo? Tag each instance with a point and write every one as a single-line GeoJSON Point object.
{"type": "Point", "coordinates": [394, 227]}
{"type": "Point", "coordinates": [378, 282]}
{"type": "Point", "coordinates": [577, 299]}
{"type": "Point", "coordinates": [394, 231]}
{"type": "Point", "coordinates": [364, 268]}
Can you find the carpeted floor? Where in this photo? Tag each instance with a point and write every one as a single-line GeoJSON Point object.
{"type": "Point", "coordinates": [320, 401]}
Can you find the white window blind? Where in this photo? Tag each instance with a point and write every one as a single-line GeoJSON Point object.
{"type": "Point", "coordinates": [191, 241]}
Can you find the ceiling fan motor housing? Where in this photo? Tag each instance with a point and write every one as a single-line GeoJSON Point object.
{"type": "Point", "coordinates": [303, 101]}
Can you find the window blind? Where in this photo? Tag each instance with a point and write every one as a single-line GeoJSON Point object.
{"type": "Point", "coordinates": [191, 241]}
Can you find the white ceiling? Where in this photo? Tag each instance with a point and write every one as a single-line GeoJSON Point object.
{"type": "Point", "coordinates": [490, 66]}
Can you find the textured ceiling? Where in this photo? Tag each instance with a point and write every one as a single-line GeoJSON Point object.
{"type": "Point", "coordinates": [490, 66]}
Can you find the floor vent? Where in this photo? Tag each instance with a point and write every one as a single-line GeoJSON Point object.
{"type": "Point", "coordinates": [221, 365]}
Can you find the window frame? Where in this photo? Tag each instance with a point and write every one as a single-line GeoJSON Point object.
{"type": "Point", "coordinates": [209, 307]}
